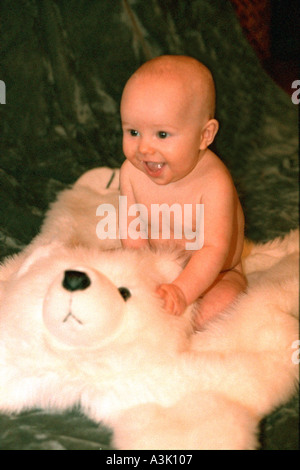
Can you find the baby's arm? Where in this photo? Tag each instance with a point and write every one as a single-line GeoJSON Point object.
{"type": "Point", "coordinates": [199, 274]}
{"type": "Point", "coordinates": [127, 190]}
{"type": "Point", "coordinates": [220, 205]}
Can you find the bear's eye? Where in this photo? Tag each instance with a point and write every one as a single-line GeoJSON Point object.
{"type": "Point", "coordinates": [125, 293]}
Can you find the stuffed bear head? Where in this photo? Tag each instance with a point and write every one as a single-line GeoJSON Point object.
{"type": "Point", "coordinates": [81, 298]}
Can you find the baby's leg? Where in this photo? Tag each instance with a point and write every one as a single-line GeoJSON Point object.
{"type": "Point", "coordinates": [220, 295]}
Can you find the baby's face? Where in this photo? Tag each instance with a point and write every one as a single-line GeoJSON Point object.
{"type": "Point", "coordinates": [161, 128]}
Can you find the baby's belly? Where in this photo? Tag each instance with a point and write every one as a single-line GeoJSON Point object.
{"type": "Point", "coordinates": [191, 244]}
{"type": "Point", "coordinates": [168, 242]}
{"type": "Point", "coordinates": [177, 227]}
{"type": "Point", "coordinates": [233, 260]}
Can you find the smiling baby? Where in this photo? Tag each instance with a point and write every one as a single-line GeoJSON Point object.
{"type": "Point", "coordinates": [167, 113]}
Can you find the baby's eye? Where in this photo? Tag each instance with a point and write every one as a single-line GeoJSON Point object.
{"type": "Point", "coordinates": [133, 133]}
{"type": "Point", "coordinates": [163, 134]}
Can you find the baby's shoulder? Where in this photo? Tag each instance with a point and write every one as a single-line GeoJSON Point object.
{"type": "Point", "coordinates": [125, 167]}
{"type": "Point", "coordinates": [217, 178]}
{"type": "Point", "coordinates": [215, 167]}
{"type": "Point", "coordinates": [128, 169]}
{"type": "Point", "coordinates": [131, 179]}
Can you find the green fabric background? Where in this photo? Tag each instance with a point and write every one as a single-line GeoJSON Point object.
{"type": "Point", "coordinates": [64, 64]}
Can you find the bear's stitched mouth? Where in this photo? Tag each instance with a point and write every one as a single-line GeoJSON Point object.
{"type": "Point", "coordinates": [70, 315]}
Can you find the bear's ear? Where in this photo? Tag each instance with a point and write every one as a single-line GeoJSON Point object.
{"type": "Point", "coordinates": [40, 252]}
{"type": "Point", "coordinates": [9, 266]}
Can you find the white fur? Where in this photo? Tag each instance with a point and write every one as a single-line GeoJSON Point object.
{"type": "Point", "coordinates": [130, 365]}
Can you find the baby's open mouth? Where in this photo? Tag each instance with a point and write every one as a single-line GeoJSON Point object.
{"type": "Point", "coordinates": [154, 166]}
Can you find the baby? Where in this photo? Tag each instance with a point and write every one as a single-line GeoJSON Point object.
{"type": "Point", "coordinates": [167, 113]}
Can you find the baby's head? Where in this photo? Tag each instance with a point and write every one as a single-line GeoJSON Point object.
{"type": "Point", "coordinates": [168, 99]}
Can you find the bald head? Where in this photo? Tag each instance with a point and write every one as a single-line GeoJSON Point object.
{"type": "Point", "coordinates": [191, 77]}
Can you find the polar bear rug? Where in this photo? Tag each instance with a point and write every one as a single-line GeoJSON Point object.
{"type": "Point", "coordinates": [80, 324]}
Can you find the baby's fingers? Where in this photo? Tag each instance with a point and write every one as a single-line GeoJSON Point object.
{"type": "Point", "coordinates": [169, 302]}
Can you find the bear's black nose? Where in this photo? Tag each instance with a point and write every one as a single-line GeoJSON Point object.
{"type": "Point", "coordinates": [75, 280]}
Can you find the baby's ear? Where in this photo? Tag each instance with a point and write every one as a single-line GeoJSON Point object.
{"type": "Point", "coordinates": [208, 133]}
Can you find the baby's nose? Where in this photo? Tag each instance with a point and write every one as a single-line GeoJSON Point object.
{"type": "Point", "coordinates": [145, 146]}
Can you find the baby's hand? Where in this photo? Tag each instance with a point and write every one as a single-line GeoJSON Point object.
{"type": "Point", "coordinates": [173, 296]}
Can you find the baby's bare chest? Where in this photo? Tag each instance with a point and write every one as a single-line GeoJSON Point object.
{"type": "Point", "coordinates": [170, 214]}
{"type": "Point", "coordinates": [157, 195]}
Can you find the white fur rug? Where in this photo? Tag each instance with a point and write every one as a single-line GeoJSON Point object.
{"type": "Point", "coordinates": [125, 361]}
